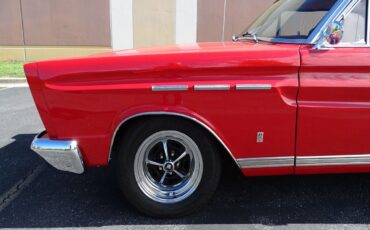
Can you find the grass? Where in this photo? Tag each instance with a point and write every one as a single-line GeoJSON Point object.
{"type": "Point", "coordinates": [11, 69]}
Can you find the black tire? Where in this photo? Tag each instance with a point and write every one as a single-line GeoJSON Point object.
{"type": "Point", "coordinates": [129, 146]}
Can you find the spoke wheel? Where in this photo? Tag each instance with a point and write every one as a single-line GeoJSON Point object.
{"type": "Point", "coordinates": [168, 167]}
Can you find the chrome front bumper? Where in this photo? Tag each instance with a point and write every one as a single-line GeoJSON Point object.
{"type": "Point", "coordinates": [62, 154]}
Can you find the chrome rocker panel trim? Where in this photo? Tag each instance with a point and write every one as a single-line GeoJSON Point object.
{"type": "Point", "coordinates": [63, 155]}
{"type": "Point", "coordinates": [361, 159]}
{"type": "Point", "coordinates": [266, 162]}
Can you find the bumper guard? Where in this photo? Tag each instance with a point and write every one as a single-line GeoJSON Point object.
{"type": "Point", "coordinates": [64, 155]}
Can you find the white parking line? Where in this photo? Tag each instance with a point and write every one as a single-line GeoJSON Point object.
{"type": "Point", "coordinates": [17, 189]}
{"type": "Point", "coordinates": [15, 85]}
{"type": "Point", "coordinates": [1, 89]}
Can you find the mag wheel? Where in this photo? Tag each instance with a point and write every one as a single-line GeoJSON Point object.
{"type": "Point", "coordinates": [167, 168]}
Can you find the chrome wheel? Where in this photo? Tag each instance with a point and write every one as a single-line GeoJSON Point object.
{"type": "Point", "coordinates": [168, 166]}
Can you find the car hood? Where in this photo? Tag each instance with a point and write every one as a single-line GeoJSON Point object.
{"type": "Point", "coordinates": [206, 47]}
{"type": "Point", "coordinates": [191, 57]}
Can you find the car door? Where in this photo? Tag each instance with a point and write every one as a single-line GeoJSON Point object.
{"type": "Point", "coordinates": [333, 128]}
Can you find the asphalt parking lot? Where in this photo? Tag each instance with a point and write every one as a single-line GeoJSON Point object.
{"type": "Point", "coordinates": [34, 195]}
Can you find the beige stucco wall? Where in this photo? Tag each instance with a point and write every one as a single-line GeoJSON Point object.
{"type": "Point", "coordinates": [66, 22]}
{"type": "Point", "coordinates": [210, 20]}
{"type": "Point", "coordinates": [42, 29]}
{"type": "Point", "coordinates": [241, 13]}
{"type": "Point", "coordinates": [154, 22]}
{"type": "Point", "coordinates": [10, 23]}
{"type": "Point", "coordinates": [36, 53]}
{"type": "Point", "coordinates": [218, 20]}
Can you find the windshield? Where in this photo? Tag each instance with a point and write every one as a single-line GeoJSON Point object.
{"type": "Point", "coordinates": [290, 19]}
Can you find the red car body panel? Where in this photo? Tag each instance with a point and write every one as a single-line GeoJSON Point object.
{"type": "Point", "coordinates": [334, 105]}
{"type": "Point", "coordinates": [87, 99]}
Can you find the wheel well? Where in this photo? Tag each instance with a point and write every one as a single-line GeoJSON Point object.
{"type": "Point", "coordinates": [129, 124]}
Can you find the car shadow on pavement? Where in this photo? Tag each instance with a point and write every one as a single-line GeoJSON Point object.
{"type": "Point", "coordinates": [57, 199]}
{"type": "Point", "coordinates": [16, 161]}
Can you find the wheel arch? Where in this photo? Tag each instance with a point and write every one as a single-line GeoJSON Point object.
{"type": "Point", "coordinates": [133, 119]}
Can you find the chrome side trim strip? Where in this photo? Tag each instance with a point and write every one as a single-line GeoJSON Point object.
{"type": "Point", "coordinates": [170, 114]}
{"type": "Point", "coordinates": [362, 159]}
{"type": "Point", "coordinates": [253, 86]}
{"type": "Point", "coordinates": [266, 162]}
{"type": "Point", "coordinates": [211, 87]}
{"type": "Point", "coordinates": [170, 87]}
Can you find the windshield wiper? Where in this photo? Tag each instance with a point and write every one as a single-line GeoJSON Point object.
{"type": "Point", "coordinates": [245, 36]}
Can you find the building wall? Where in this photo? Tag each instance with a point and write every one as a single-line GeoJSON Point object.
{"type": "Point", "coordinates": [210, 20]}
{"type": "Point", "coordinates": [10, 23]}
{"type": "Point", "coordinates": [218, 20]}
{"type": "Point", "coordinates": [43, 29]}
{"type": "Point", "coordinates": [239, 14]}
{"type": "Point", "coordinates": [66, 22]}
{"type": "Point", "coordinates": [154, 22]}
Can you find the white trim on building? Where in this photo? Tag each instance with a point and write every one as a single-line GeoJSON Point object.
{"type": "Point", "coordinates": [121, 23]}
{"type": "Point", "coordinates": [186, 21]}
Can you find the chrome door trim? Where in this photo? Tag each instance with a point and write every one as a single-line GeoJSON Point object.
{"type": "Point", "coordinates": [266, 162]}
{"type": "Point", "coordinates": [211, 87]}
{"type": "Point", "coordinates": [253, 87]}
{"type": "Point", "coordinates": [170, 87]}
{"type": "Point", "coordinates": [158, 113]}
{"type": "Point", "coordinates": [361, 159]}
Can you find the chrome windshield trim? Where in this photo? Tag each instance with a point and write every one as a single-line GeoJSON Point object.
{"type": "Point", "coordinates": [211, 87]}
{"type": "Point", "coordinates": [253, 87]}
{"type": "Point", "coordinates": [170, 87]}
{"type": "Point", "coordinates": [361, 159]}
{"type": "Point", "coordinates": [266, 162]}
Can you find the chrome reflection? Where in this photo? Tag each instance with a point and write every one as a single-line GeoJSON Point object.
{"type": "Point", "coordinates": [63, 155]}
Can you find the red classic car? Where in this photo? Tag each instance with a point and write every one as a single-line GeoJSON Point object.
{"type": "Point", "coordinates": [290, 95]}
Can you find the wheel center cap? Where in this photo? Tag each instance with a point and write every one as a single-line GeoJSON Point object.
{"type": "Point", "coordinates": [168, 166]}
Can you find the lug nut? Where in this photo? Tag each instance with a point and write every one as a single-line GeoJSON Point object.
{"type": "Point", "coordinates": [160, 168]}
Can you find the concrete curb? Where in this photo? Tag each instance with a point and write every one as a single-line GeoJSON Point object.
{"type": "Point", "coordinates": [12, 80]}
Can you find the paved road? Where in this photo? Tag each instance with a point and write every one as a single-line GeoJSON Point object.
{"type": "Point", "coordinates": [34, 195]}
